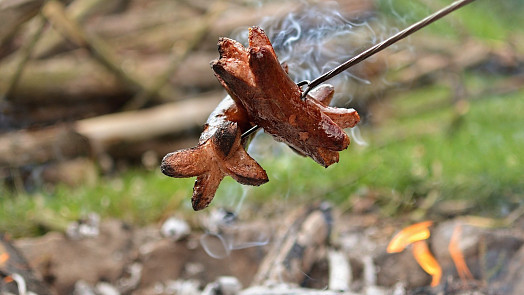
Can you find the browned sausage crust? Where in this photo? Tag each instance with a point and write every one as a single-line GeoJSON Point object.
{"type": "Point", "coordinates": [261, 93]}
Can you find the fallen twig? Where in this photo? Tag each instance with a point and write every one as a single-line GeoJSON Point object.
{"type": "Point", "coordinates": [24, 54]}
{"type": "Point", "coordinates": [54, 11]}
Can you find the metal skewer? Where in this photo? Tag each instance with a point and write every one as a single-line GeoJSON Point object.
{"type": "Point", "coordinates": [385, 44]}
{"type": "Point", "coordinates": [374, 49]}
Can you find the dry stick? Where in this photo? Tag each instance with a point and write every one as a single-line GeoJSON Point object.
{"type": "Point", "coordinates": [78, 11]}
{"type": "Point", "coordinates": [25, 53]}
{"type": "Point", "coordinates": [14, 13]}
{"type": "Point", "coordinates": [143, 97]}
{"type": "Point", "coordinates": [55, 13]}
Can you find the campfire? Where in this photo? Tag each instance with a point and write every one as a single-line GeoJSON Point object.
{"type": "Point", "coordinates": [313, 250]}
{"type": "Point", "coordinates": [417, 236]}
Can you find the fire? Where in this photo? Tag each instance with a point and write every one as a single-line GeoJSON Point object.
{"type": "Point", "coordinates": [3, 256]}
{"type": "Point", "coordinates": [409, 235]}
{"type": "Point", "coordinates": [426, 260]}
{"type": "Point", "coordinates": [457, 256]}
{"type": "Point", "coordinates": [416, 235]}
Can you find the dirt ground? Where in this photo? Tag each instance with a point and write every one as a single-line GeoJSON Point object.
{"type": "Point", "coordinates": [111, 257]}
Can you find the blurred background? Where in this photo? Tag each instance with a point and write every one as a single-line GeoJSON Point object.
{"type": "Point", "coordinates": [94, 93]}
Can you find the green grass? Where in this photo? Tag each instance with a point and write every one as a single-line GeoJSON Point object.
{"type": "Point", "coordinates": [476, 157]}
{"type": "Point", "coordinates": [491, 21]}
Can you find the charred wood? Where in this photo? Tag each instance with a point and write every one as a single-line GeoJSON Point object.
{"type": "Point", "coordinates": [299, 243]}
{"type": "Point", "coordinates": [15, 272]}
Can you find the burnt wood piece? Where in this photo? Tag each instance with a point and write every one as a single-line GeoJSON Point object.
{"type": "Point", "coordinates": [14, 270]}
{"type": "Point", "coordinates": [255, 79]}
{"type": "Point", "coordinates": [300, 241]}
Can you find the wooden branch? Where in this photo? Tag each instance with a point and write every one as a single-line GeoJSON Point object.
{"type": "Point", "coordinates": [141, 98]}
{"type": "Point", "coordinates": [297, 246]}
{"type": "Point", "coordinates": [135, 126]}
{"type": "Point", "coordinates": [78, 10]}
{"type": "Point", "coordinates": [24, 53]}
{"type": "Point", "coordinates": [13, 13]}
{"type": "Point", "coordinates": [139, 30]}
{"type": "Point", "coordinates": [19, 116]}
{"type": "Point", "coordinates": [27, 147]}
{"type": "Point", "coordinates": [56, 14]}
{"type": "Point", "coordinates": [75, 77]}
{"type": "Point", "coordinates": [69, 78]}
{"type": "Point", "coordinates": [50, 144]}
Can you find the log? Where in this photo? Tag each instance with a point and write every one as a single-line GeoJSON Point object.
{"type": "Point", "coordinates": [138, 31]}
{"type": "Point", "coordinates": [54, 11]}
{"type": "Point", "coordinates": [71, 77]}
{"type": "Point", "coordinates": [136, 126]}
{"type": "Point", "coordinates": [20, 116]}
{"type": "Point", "coordinates": [182, 53]}
{"type": "Point", "coordinates": [79, 10]}
{"type": "Point", "coordinates": [27, 147]}
{"type": "Point", "coordinates": [75, 77]}
{"type": "Point", "coordinates": [99, 134]}
{"type": "Point", "coordinates": [298, 245]}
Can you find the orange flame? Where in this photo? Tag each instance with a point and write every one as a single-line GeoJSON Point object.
{"type": "Point", "coordinates": [409, 235]}
{"type": "Point", "coordinates": [416, 235]}
{"type": "Point", "coordinates": [457, 256]}
{"type": "Point", "coordinates": [426, 260]}
{"type": "Point", "coordinates": [3, 258]}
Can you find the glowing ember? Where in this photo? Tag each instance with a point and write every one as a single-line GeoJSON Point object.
{"type": "Point", "coordinates": [426, 260]}
{"type": "Point", "coordinates": [3, 256]}
{"type": "Point", "coordinates": [457, 256]}
{"type": "Point", "coordinates": [409, 235]}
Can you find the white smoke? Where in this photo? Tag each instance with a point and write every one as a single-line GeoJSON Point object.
{"type": "Point", "coordinates": [318, 37]}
